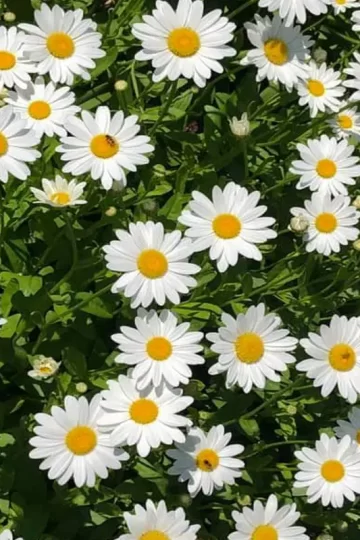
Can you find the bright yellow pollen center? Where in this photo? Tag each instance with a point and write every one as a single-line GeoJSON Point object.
{"type": "Point", "coordinates": [358, 436]}
{"type": "Point", "coordinates": [154, 535]}
{"type": "Point", "coordinates": [60, 45]}
{"type": "Point", "coordinates": [61, 197]}
{"type": "Point", "coordinates": [207, 460]}
{"type": "Point", "coordinates": [316, 88]}
{"type": "Point", "coordinates": [104, 146]}
{"type": "Point", "coordinates": [7, 60]}
{"type": "Point", "coordinates": [144, 411]}
{"type": "Point", "coordinates": [249, 348]}
{"type": "Point", "coordinates": [341, 2]}
{"type": "Point", "coordinates": [276, 51]}
{"type": "Point", "coordinates": [45, 369]}
{"type": "Point", "coordinates": [159, 348]}
{"type": "Point", "coordinates": [152, 263]}
{"type": "Point", "coordinates": [326, 168]}
{"type": "Point", "coordinates": [345, 121]}
{"type": "Point", "coordinates": [4, 145]}
{"type": "Point", "coordinates": [226, 226]}
{"type": "Point", "coordinates": [183, 42]}
{"type": "Point", "coordinates": [81, 440]}
{"type": "Point", "coordinates": [332, 470]}
{"type": "Point", "coordinates": [342, 357]}
{"type": "Point", "coordinates": [264, 532]}
{"type": "Point", "coordinates": [39, 110]}
{"type": "Point", "coordinates": [326, 223]}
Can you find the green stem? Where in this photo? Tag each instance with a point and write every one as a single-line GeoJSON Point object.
{"type": "Point", "coordinates": [275, 445]}
{"type": "Point", "coordinates": [2, 222]}
{"type": "Point", "coordinates": [166, 107]}
{"type": "Point", "coordinates": [75, 256]}
{"type": "Point", "coordinates": [241, 8]}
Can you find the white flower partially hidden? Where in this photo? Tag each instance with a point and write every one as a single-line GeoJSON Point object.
{"type": "Point", "coordinates": [71, 445]}
{"type": "Point", "coordinates": [252, 348]}
{"type": "Point", "coordinates": [184, 42]}
{"type": "Point", "coordinates": [353, 70]}
{"type": "Point", "coordinates": [206, 460]}
{"type": "Point", "coordinates": [240, 128]}
{"type": "Point", "coordinates": [60, 193]}
{"type": "Point", "coordinates": [340, 6]}
{"type": "Point", "coordinates": [295, 9]}
{"type": "Point", "coordinates": [330, 472]}
{"type": "Point", "coordinates": [160, 349]}
{"type": "Point", "coordinates": [14, 64]}
{"type": "Point", "coordinates": [2, 321]}
{"type": "Point", "coordinates": [63, 44]}
{"type": "Point", "coordinates": [346, 124]}
{"type": "Point", "coordinates": [44, 368]}
{"type": "Point", "coordinates": [356, 19]}
{"type": "Point", "coordinates": [8, 535]}
{"type": "Point", "coordinates": [350, 427]}
{"type": "Point", "coordinates": [155, 522]}
{"type": "Point", "coordinates": [105, 146]}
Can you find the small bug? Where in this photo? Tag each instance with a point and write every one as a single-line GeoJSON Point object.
{"type": "Point", "coordinates": [110, 140]}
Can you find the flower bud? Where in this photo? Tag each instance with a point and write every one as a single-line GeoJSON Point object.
{"type": "Point", "coordinates": [291, 410]}
{"type": "Point", "coordinates": [320, 55]}
{"type": "Point", "coordinates": [111, 211]}
{"type": "Point", "coordinates": [150, 206]}
{"type": "Point", "coordinates": [356, 244]}
{"type": "Point", "coordinates": [120, 86]}
{"type": "Point", "coordinates": [9, 16]}
{"type": "Point", "coordinates": [324, 536]}
{"type": "Point", "coordinates": [81, 387]}
{"type": "Point", "coordinates": [299, 224]}
{"type": "Point", "coordinates": [240, 128]}
{"type": "Point", "coordinates": [342, 526]}
{"type": "Point", "coordinates": [244, 500]}
{"type": "Point", "coordinates": [356, 202]}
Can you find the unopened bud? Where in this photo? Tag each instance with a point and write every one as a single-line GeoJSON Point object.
{"type": "Point", "coordinates": [292, 410]}
{"type": "Point", "coordinates": [356, 244]}
{"type": "Point", "coordinates": [81, 387]}
{"type": "Point", "coordinates": [185, 500]}
{"type": "Point", "coordinates": [299, 224]}
{"type": "Point", "coordinates": [320, 55]}
{"type": "Point", "coordinates": [342, 526]}
{"type": "Point", "coordinates": [111, 211]}
{"type": "Point", "coordinates": [324, 536]}
{"type": "Point", "coordinates": [150, 206]}
{"type": "Point", "coordinates": [240, 128]}
{"type": "Point", "coordinates": [9, 16]}
{"type": "Point", "coordinates": [244, 500]}
{"type": "Point", "coordinates": [356, 202]}
{"type": "Point", "coordinates": [120, 86]}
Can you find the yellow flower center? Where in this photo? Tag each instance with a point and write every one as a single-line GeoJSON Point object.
{"type": "Point", "coordinates": [7, 60]}
{"type": "Point", "coordinates": [104, 146]}
{"type": "Point", "coordinates": [144, 411]}
{"type": "Point", "coordinates": [45, 369]}
{"type": "Point", "coordinates": [4, 145]}
{"type": "Point", "coordinates": [342, 357]}
{"type": "Point", "coordinates": [358, 436]}
{"type": "Point", "coordinates": [207, 460]}
{"type": "Point", "coordinates": [265, 532]}
{"type": "Point", "coordinates": [326, 168]}
{"type": "Point", "coordinates": [249, 348]}
{"type": "Point", "coordinates": [345, 121]}
{"type": "Point", "coordinates": [276, 51]}
{"type": "Point", "coordinates": [60, 197]}
{"type": "Point", "coordinates": [81, 440]}
{"type": "Point", "coordinates": [154, 535]}
{"type": "Point", "coordinates": [183, 42]}
{"type": "Point", "coordinates": [341, 2]}
{"type": "Point", "coordinates": [39, 110]}
{"type": "Point", "coordinates": [326, 223]}
{"type": "Point", "coordinates": [152, 263]}
{"type": "Point", "coordinates": [226, 226]}
{"type": "Point", "coordinates": [316, 88]}
{"type": "Point", "coordinates": [60, 45]}
{"type": "Point", "coordinates": [159, 348]}
{"type": "Point", "coordinates": [332, 470]}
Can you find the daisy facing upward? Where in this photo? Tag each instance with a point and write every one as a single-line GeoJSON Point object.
{"type": "Point", "coordinates": [295, 9]}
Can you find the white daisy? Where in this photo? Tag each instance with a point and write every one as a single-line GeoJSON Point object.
{"type": "Point", "coordinates": [206, 460]}
{"type": "Point", "coordinates": [327, 166]}
{"type": "Point", "coordinates": [346, 124]}
{"type": "Point", "coordinates": [14, 65]}
{"type": "Point", "coordinates": [291, 9]}
{"type": "Point", "coordinates": [279, 53]}
{"type": "Point", "coordinates": [60, 193]}
{"type": "Point", "coordinates": [268, 522]}
{"type": "Point", "coordinates": [252, 348]}
{"type": "Point", "coordinates": [143, 418]}
{"type": "Point", "coordinates": [340, 6]}
{"type": "Point", "coordinates": [8, 535]}
{"type": "Point", "coordinates": [351, 428]}
{"type": "Point", "coordinates": [105, 146]}
{"type": "Point", "coordinates": [320, 89]}
{"type": "Point", "coordinates": [184, 42]}
{"type": "Point", "coordinates": [354, 70]}
{"type": "Point", "coordinates": [71, 445]}
{"type": "Point", "coordinates": [330, 472]}
{"type": "Point", "coordinates": [331, 223]}
{"type": "Point", "coordinates": [63, 44]}
{"type": "Point", "coordinates": [154, 264]}
{"type": "Point", "coordinates": [356, 19]}
{"type": "Point", "coordinates": [44, 368]}
{"type": "Point", "coordinates": [16, 144]}
{"type": "Point", "coordinates": [229, 224]}
{"type": "Point", "coordinates": [155, 522]}
{"type": "Point", "coordinates": [334, 357]}
{"type": "Point", "coordinates": [160, 349]}
{"type": "Point", "coordinates": [44, 107]}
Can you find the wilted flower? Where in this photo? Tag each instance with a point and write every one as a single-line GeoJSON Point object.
{"type": "Point", "coordinates": [44, 368]}
{"type": "Point", "coordinates": [240, 128]}
{"type": "Point", "coordinates": [320, 55]}
{"type": "Point", "coordinates": [299, 224]}
{"type": "Point", "coordinates": [356, 244]}
{"type": "Point", "coordinates": [356, 202]}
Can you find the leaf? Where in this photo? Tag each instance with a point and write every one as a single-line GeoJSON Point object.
{"type": "Point", "coordinates": [75, 362]}
{"type": "Point", "coordinates": [104, 63]}
{"type": "Point", "coordinates": [250, 426]}
{"type": "Point", "coordinates": [6, 440]}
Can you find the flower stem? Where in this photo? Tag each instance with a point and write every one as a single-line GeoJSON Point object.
{"type": "Point", "coordinates": [75, 256]}
{"type": "Point", "coordinates": [166, 107]}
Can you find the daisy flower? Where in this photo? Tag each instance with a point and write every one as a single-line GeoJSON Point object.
{"type": "Point", "coordinates": [14, 65]}
{"type": "Point", "coordinates": [155, 522]}
{"type": "Point", "coordinates": [252, 348]}
{"type": "Point", "coordinates": [327, 166]}
{"type": "Point", "coordinates": [334, 357]}
{"type": "Point", "coordinates": [295, 9]}
{"type": "Point", "coordinates": [8, 535]}
{"type": "Point", "coordinates": [229, 224]}
{"type": "Point", "coordinates": [346, 124]}
{"type": "Point", "coordinates": [330, 472]}
{"type": "Point", "coordinates": [354, 69]}
{"type": "Point", "coordinates": [44, 107]}
{"type": "Point", "coordinates": [351, 428]}
{"type": "Point", "coordinates": [332, 223]}
{"type": "Point", "coordinates": [71, 445]}
{"type": "Point", "coordinates": [160, 348]}
{"type": "Point", "coordinates": [154, 264]}
{"type": "Point", "coordinates": [60, 193]}
{"type": "Point", "coordinates": [44, 368]}
{"type": "Point", "coordinates": [105, 146]}
{"type": "Point", "coordinates": [280, 52]}
{"type": "Point", "coordinates": [184, 42]}
{"type": "Point", "coordinates": [320, 89]}
{"type": "Point", "coordinates": [206, 460]}
{"type": "Point", "coordinates": [16, 144]}
{"type": "Point", "coordinates": [356, 19]}
{"type": "Point", "coordinates": [63, 44]}
{"type": "Point", "coordinates": [144, 418]}
{"type": "Point", "coordinates": [340, 6]}
{"type": "Point", "coordinates": [268, 522]}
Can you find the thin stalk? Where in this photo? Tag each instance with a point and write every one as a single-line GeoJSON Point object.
{"type": "Point", "coordinates": [75, 255]}
{"type": "Point", "coordinates": [275, 445]}
{"type": "Point", "coordinates": [241, 8]}
{"type": "Point", "coordinates": [166, 107]}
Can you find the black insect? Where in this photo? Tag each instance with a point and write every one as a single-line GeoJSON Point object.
{"type": "Point", "coordinates": [110, 140]}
